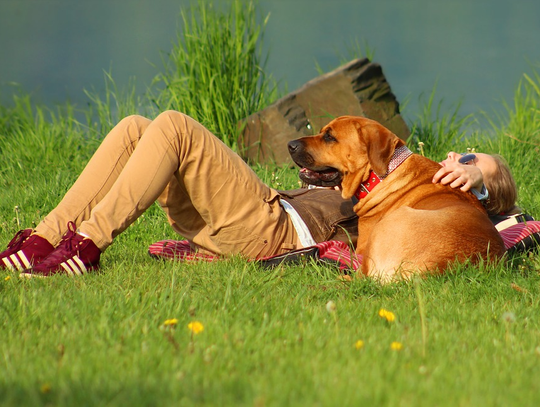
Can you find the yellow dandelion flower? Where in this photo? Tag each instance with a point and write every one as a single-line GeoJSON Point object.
{"type": "Point", "coordinates": [396, 346]}
{"type": "Point", "coordinates": [170, 322]}
{"type": "Point", "coordinates": [388, 315]}
{"type": "Point", "coordinates": [7, 278]}
{"type": "Point", "coordinates": [45, 388]}
{"type": "Point", "coordinates": [359, 344]}
{"type": "Point", "coordinates": [195, 327]}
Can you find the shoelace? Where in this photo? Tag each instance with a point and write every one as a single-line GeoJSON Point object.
{"type": "Point", "coordinates": [67, 240]}
{"type": "Point", "coordinates": [65, 248]}
{"type": "Point", "coordinates": [19, 239]}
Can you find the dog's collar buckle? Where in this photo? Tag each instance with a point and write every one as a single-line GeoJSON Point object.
{"type": "Point", "coordinates": [400, 155]}
{"type": "Point", "coordinates": [367, 186]}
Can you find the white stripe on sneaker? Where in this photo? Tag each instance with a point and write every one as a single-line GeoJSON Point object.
{"type": "Point", "coordinates": [24, 259]}
{"type": "Point", "coordinates": [8, 264]}
{"type": "Point", "coordinates": [74, 266]}
{"type": "Point", "coordinates": [16, 262]}
{"type": "Point", "coordinates": [66, 267]}
{"type": "Point", "coordinates": [81, 264]}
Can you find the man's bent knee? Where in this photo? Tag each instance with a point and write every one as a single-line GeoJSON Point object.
{"type": "Point", "coordinates": [132, 127]}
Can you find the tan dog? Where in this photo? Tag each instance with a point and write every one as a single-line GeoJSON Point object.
{"type": "Point", "coordinates": [406, 223]}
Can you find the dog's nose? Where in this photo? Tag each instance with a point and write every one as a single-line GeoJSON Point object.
{"type": "Point", "coordinates": [293, 146]}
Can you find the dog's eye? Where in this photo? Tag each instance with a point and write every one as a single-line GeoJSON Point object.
{"type": "Point", "coordinates": [328, 138]}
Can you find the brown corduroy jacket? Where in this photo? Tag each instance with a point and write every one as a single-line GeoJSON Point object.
{"type": "Point", "coordinates": [327, 215]}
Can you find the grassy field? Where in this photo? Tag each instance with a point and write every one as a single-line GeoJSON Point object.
{"type": "Point", "coordinates": [292, 336]}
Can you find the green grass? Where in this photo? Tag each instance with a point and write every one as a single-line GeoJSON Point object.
{"type": "Point", "coordinates": [469, 338]}
{"type": "Point", "coordinates": [268, 338]}
{"type": "Point", "coordinates": [215, 72]}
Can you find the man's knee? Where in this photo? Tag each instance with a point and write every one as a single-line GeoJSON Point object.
{"type": "Point", "coordinates": [134, 120]}
{"type": "Point", "coordinates": [138, 121]}
{"type": "Point", "coordinates": [133, 127]}
{"type": "Point", "coordinates": [178, 120]}
{"type": "Point", "coordinates": [180, 126]}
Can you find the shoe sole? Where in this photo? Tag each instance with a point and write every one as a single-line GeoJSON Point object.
{"type": "Point", "coordinates": [63, 272]}
{"type": "Point", "coordinates": [28, 275]}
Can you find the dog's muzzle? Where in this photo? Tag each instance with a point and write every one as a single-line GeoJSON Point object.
{"type": "Point", "coordinates": [310, 172]}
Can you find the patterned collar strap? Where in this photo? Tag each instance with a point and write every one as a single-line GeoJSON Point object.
{"type": "Point", "coordinates": [400, 155]}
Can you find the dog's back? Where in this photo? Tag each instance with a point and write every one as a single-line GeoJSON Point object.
{"type": "Point", "coordinates": [421, 226]}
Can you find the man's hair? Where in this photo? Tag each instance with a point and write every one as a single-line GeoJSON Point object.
{"type": "Point", "coordinates": [502, 189]}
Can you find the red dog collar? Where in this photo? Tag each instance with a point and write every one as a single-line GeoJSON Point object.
{"type": "Point", "coordinates": [400, 155]}
{"type": "Point", "coordinates": [366, 186]}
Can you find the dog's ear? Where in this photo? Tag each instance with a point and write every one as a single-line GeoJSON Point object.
{"type": "Point", "coordinates": [381, 144]}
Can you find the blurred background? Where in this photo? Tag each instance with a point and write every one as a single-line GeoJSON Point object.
{"type": "Point", "coordinates": [475, 52]}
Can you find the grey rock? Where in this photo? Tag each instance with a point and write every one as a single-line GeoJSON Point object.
{"type": "Point", "coordinates": [357, 88]}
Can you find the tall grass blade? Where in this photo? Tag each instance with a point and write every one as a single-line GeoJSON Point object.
{"type": "Point", "coordinates": [216, 70]}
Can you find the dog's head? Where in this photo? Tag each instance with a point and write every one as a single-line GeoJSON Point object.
{"type": "Point", "coordinates": [344, 152]}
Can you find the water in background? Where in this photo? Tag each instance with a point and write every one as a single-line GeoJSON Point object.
{"type": "Point", "coordinates": [475, 51]}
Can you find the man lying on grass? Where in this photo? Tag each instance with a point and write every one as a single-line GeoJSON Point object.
{"type": "Point", "coordinates": [210, 195]}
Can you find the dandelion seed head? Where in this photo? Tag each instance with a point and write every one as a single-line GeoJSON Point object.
{"type": "Point", "coordinates": [508, 317]}
{"type": "Point", "coordinates": [331, 306]}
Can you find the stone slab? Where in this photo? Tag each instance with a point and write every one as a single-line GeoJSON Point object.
{"type": "Point", "coordinates": [357, 88]}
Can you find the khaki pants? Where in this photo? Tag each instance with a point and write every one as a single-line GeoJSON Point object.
{"type": "Point", "coordinates": [211, 196]}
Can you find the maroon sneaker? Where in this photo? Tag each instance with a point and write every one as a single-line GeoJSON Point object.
{"type": "Point", "coordinates": [25, 250]}
{"type": "Point", "coordinates": [75, 255]}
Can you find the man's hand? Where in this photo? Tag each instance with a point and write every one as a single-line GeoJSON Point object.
{"type": "Point", "coordinates": [464, 177]}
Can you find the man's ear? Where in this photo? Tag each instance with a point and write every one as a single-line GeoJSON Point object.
{"type": "Point", "coordinates": [381, 144]}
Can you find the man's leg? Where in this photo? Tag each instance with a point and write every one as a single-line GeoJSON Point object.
{"type": "Point", "coordinates": [96, 180]}
{"type": "Point", "coordinates": [30, 247]}
{"type": "Point", "coordinates": [240, 214]}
